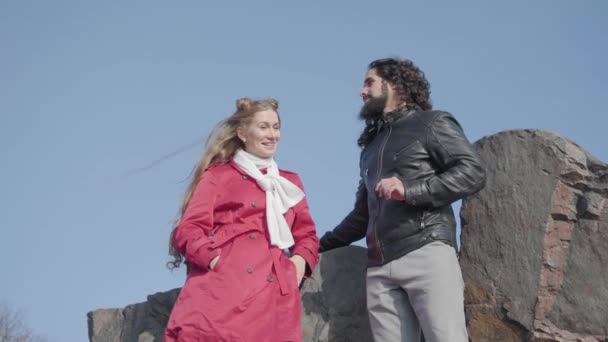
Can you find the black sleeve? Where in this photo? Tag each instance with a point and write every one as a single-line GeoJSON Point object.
{"type": "Point", "coordinates": [460, 173]}
{"type": "Point", "coordinates": [352, 228]}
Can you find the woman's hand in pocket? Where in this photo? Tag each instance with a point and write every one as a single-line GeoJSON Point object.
{"type": "Point", "coordinates": [214, 262]}
{"type": "Point", "coordinates": [300, 264]}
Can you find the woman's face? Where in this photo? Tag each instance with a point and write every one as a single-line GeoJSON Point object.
{"type": "Point", "coordinates": [261, 136]}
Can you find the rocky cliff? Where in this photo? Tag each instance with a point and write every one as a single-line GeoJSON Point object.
{"type": "Point", "coordinates": [534, 257]}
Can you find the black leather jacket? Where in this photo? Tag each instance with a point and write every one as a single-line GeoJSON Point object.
{"type": "Point", "coordinates": [430, 154]}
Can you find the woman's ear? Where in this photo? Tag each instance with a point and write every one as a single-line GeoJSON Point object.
{"type": "Point", "coordinates": [240, 134]}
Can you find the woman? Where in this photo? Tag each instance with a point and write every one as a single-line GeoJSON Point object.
{"type": "Point", "coordinates": [241, 217]}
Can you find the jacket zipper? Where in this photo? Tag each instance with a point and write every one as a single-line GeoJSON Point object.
{"type": "Point", "coordinates": [422, 219]}
{"type": "Point", "coordinates": [381, 154]}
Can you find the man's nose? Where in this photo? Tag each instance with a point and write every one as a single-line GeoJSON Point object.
{"type": "Point", "coordinates": [363, 92]}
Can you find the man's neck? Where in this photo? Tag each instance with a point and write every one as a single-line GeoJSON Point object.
{"type": "Point", "coordinates": [393, 107]}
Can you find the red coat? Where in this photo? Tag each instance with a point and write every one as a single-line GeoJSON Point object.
{"type": "Point", "coordinates": [251, 294]}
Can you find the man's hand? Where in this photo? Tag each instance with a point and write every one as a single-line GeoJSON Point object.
{"type": "Point", "coordinates": [300, 264]}
{"type": "Point", "coordinates": [390, 188]}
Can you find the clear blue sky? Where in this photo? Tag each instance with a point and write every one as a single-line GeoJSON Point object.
{"type": "Point", "coordinates": [90, 91]}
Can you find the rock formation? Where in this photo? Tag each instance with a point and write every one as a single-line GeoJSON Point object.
{"type": "Point", "coordinates": [534, 257]}
{"type": "Point", "coordinates": [535, 242]}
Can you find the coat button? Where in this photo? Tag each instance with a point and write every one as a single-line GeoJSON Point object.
{"type": "Point", "coordinates": [252, 236]}
{"type": "Point", "coordinates": [245, 177]}
{"type": "Point", "coordinates": [434, 235]}
{"type": "Point", "coordinates": [254, 204]}
{"type": "Point", "coordinates": [270, 279]}
{"type": "Point", "coordinates": [249, 270]}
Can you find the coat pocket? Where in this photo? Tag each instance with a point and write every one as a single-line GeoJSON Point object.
{"type": "Point", "coordinates": [291, 273]}
{"type": "Point", "coordinates": [223, 257]}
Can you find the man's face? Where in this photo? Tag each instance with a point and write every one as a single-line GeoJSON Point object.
{"type": "Point", "coordinates": [375, 93]}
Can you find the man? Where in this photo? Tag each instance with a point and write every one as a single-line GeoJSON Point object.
{"type": "Point", "coordinates": [415, 162]}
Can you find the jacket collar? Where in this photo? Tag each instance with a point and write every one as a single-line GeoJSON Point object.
{"type": "Point", "coordinates": [390, 118]}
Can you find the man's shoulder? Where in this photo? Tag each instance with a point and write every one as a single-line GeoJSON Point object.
{"type": "Point", "coordinates": [428, 117]}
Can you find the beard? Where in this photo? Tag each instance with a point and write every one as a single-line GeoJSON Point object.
{"type": "Point", "coordinates": [373, 108]}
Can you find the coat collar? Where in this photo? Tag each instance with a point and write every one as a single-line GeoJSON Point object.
{"type": "Point", "coordinates": [239, 170]}
{"type": "Point", "coordinates": [235, 166]}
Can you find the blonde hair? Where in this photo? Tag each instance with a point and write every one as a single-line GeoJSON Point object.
{"type": "Point", "coordinates": [221, 146]}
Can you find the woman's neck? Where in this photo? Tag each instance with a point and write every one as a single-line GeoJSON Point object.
{"type": "Point", "coordinates": [260, 163]}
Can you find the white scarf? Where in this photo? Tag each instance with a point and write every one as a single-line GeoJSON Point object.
{"type": "Point", "coordinates": [281, 194]}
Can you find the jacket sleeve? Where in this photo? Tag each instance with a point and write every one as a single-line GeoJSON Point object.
{"type": "Point", "coordinates": [304, 233]}
{"type": "Point", "coordinates": [192, 237]}
{"type": "Point", "coordinates": [352, 228]}
{"type": "Point", "coordinates": [460, 173]}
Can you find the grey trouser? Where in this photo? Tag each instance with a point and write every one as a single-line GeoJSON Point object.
{"type": "Point", "coordinates": [421, 290]}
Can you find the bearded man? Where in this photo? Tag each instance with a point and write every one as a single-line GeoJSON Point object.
{"type": "Point", "coordinates": [415, 162]}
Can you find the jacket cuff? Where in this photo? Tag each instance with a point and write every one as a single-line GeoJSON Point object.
{"type": "Point", "coordinates": [414, 192]}
{"type": "Point", "coordinates": [323, 243]}
{"type": "Point", "coordinates": [308, 257]}
{"type": "Point", "coordinates": [203, 252]}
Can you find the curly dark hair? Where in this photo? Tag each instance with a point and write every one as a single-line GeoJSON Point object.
{"type": "Point", "coordinates": [411, 86]}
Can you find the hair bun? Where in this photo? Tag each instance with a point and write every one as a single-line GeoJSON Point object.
{"type": "Point", "coordinates": [274, 103]}
{"type": "Point", "coordinates": [244, 104]}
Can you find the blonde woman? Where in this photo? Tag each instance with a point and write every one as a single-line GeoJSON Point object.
{"type": "Point", "coordinates": [246, 234]}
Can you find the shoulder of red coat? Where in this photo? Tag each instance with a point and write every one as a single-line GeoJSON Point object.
{"type": "Point", "coordinates": [291, 175]}
{"type": "Point", "coordinates": [287, 172]}
{"type": "Point", "coordinates": [218, 168]}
